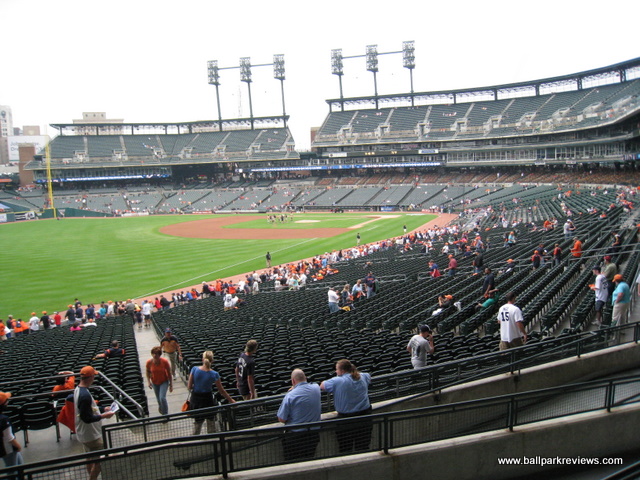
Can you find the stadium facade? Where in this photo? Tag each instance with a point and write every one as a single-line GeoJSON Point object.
{"type": "Point", "coordinates": [586, 118]}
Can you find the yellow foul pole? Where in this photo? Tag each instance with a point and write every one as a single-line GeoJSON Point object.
{"type": "Point", "coordinates": [49, 182]}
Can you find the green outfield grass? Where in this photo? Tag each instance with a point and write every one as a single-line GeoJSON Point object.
{"type": "Point", "coordinates": [48, 263]}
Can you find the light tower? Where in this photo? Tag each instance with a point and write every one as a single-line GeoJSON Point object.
{"type": "Point", "coordinates": [214, 79]}
{"type": "Point", "coordinates": [372, 66]}
{"type": "Point", "coordinates": [338, 69]}
{"type": "Point", "coordinates": [278, 74]}
{"type": "Point", "coordinates": [409, 61]}
{"type": "Point", "coordinates": [245, 76]}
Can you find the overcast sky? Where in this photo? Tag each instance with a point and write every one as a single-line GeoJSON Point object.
{"type": "Point", "coordinates": [146, 61]}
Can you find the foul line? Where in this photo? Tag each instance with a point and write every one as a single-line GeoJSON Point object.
{"type": "Point", "coordinates": [171, 287]}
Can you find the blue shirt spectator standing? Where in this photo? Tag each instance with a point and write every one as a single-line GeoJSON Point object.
{"type": "Point", "coordinates": [301, 404]}
{"type": "Point", "coordinates": [350, 390]}
{"type": "Point", "coordinates": [621, 299]}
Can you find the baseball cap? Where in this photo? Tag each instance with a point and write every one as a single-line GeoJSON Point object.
{"type": "Point", "coordinates": [607, 258]}
{"type": "Point", "coordinates": [617, 278]}
{"type": "Point", "coordinates": [88, 371]}
{"type": "Point", "coordinates": [425, 328]}
{"type": "Point", "coordinates": [4, 396]}
{"type": "Point", "coordinates": [596, 268]}
{"type": "Point", "coordinates": [167, 330]}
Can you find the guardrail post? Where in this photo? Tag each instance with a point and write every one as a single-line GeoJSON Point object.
{"type": "Point", "coordinates": [511, 413]}
{"type": "Point", "coordinates": [223, 457]}
{"type": "Point", "coordinates": [386, 434]}
{"type": "Point", "coordinates": [609, 396]}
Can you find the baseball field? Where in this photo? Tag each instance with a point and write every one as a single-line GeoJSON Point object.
{"type": "Point", "coordinates": [47, 264]}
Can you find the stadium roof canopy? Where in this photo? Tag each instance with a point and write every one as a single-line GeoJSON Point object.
{"type": "Point", "coordinates": [616, 73]}
{"type": "Point", "coordinates": [172, 127]}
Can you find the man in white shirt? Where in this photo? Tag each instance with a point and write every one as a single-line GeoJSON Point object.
{"type": "Point", "coordinates": [512, 331]}
{"type": "Point", "coordinates": [34, 323]}
{"type": "Point", "coordinates": [601, 289]}
{"type": "Point", "coordinates": [333, 300]}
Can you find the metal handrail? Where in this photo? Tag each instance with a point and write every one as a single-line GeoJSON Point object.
{"type": "Point", "coordinates": [504, 409]}
{"type": "Point", "coordinates": [430, 375]}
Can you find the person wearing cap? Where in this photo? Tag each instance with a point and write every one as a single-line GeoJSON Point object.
{"type": "Point", "coordinates": [621, 299]}
{"type": "Point", "coordinates": [89, 418]}
{"type": "Point", "coordinates": [601, 290]}
{"type": "Point", "coordinates": [70, 315]}
{"type": "Point", "coordinates": [512, 330]}
{"type": "Point", "coordinates": [568, 228]}
{"type": "Point", "coordinates": [34, 323]}
{"type": "Point", "coordinates": [333, 299]}
{"type": "Point", "coordinates": [171, 349]}
{"type": "Point", "coordinates": [10, 448]}
{"type": "Point", "coordinates": [46, 320]}
{"type": "Point", "coordinates": [3, 331]}
{"type": "Point", "coordinates": [419, 346]}
{"type": "Point", "coordinates": [159, 378]}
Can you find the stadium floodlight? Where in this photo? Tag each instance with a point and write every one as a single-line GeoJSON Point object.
{"type": "Point", "coordinates": [409, 61]}
{"type": "Point", "coordinates": [245, 69]}
{"type": "Point", "coordinates": [372, 58]}
{"type": "Point", "coordinates": [214, 75]}
{"type": "Point", "coordinates": [278, 67]}
{"type": "Point", "coordinates": [409, 55]}
{"type": "Point", "coordinates": [337, 67]}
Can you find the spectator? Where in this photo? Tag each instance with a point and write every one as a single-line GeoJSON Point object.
{"type": "Point", "coordinates": [34, 323]}
{"type": "Point", "coordinates": [201, 380]}
{"type": "Point", "coordinates": [159, 378]}
{"type": "Point", "coordinates": [576, 250]}
{"type": "Point", "coordinates": [621, 299]}
{"type": "Point", "coordinates": [557, 255]}
{"type": "Point", "coordinates": [452, 268]}
{"type": "Point", "coordinates": [46, 320]}
{"type": "Point", "coordinates": [601, 290]}
{"type": "Point", "coordinates": [68, 382]}
{"type": "Point", "coordinates": [3, 331]}
{"type": "Point", "coordinates": [89, 418]}
{"type": "Point", "coordinates": [350, 390]}
{"type": "Point", "coordinates": [536, 260]}
{"type": "Point", "coordinates": [301, 404]}
{"type": "Point", "coordinates": [357, 290]}
{"type": "Point", "coordinates": [333, 300]}
{"type": "Point", "coordinates": [346, 300]}
{"type": "Point", "coordinates": [419, 346]}
{"type": "Point", "coordinates": [489, 282]}
{"type": "Point", "coordinates": [568, 229]}
{"type": "Point", "coordinates": [433, 269]}
{"type": "Point", "coordinates": [478, 262]}
{"type": "Point", "coordinates": [609, 271]}
{"type": "Point", "coordinates": [490, 300]}
{"type": "Point", "coordinates": [10, 448]}
{"type": "Point", "coordinates": [171, 349]}
{"type": "Point", "coordinates": [114, 351]}
{"type": "Point", "coordinates": [370, 284]}
{"type": "Point", "coordinates": [512, 331]}
{"type": "Point", "coordinates": [245, 371]}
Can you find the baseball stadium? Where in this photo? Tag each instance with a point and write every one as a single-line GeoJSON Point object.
{"type": "Point", "coordinates": [420, 197]}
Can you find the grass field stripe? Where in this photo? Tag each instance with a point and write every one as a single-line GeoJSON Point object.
{"type": "Point", "coordinates": [193, 279]}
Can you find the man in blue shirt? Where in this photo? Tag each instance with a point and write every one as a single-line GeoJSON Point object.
{"type": "Point", "coordinates": [620, 299]}
{"type": "Point", "coordinates": [301, 404]}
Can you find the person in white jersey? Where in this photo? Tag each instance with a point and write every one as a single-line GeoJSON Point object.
{"type": "Point", "coordinates": [512, 331]}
